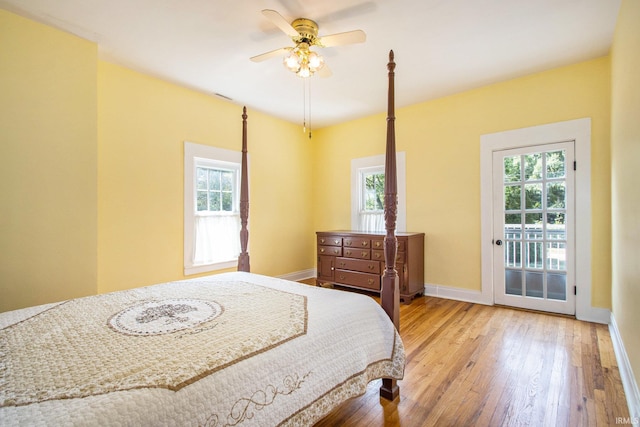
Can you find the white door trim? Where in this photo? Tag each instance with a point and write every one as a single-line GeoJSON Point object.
{"type": "Point", "coordinates": [578, 130]}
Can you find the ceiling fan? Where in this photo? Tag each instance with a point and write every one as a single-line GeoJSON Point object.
{"type": "Point", "coordinates": [300, 59]}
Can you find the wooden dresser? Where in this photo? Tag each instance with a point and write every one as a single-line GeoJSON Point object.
{"type": "Point", "coordinates": [356, 260]}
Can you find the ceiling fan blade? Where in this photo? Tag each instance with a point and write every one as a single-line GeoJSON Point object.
{"type": "Point", "coordinates": [271, 54]}
{"type": "Point", "coordinates": [280, 22]}
{"type": "Point", "coordinates": [325, 71]}
{"type": "Point", "coordinates": [340, 39]}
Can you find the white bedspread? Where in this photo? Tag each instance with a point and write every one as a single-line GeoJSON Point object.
{"type": "Point", "coordinates": [223, 350]}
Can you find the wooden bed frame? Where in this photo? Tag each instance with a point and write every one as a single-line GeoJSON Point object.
{"type": "Point", "coordinates": [390, 293]}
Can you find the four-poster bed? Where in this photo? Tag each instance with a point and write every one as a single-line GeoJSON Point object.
{"type": "Point", "coordinates": [229, 349]}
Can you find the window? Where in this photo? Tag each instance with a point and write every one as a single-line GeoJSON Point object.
{"type": "Point", "coordinates": [367, 193]}
{"type": "Point", "coordinates": [211, 208]}
{"type": "Point", "coordinates": [371, 204]}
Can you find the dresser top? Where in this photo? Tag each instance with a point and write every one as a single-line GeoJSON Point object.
{"type": "Point", "coordinates": [366, 233]}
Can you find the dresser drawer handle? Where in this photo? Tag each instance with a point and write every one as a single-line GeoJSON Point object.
{"type": "Point", "coordinates": [378, 244]}
{"type": "Point", "coordinates": [321, 250]}
{"type": "Point", "coordinates": [365, 243]}
{"type": "Point", "coordinates": [337, 242]}
{"type": "Point", "coordinates": [321, 240]}
{"type": "Point", "coordinates": [364, 253]}
{"type": "Point", "coordinates": [342, 264]}
{"type": "Point", "coordinates": [347, 252]}
{"type": "Point", "coordinates": [371, 266]}
{"type": "Point", "coordinates": [347, 242]}
{"type": "Point", "coordinates": [370, 281]}
{"type": "Point", "coordinates": [341, 277]}
{"type": "Point", "coordinates": [336, 251]}
{"type": "Point", "coordinates": [378, 256]}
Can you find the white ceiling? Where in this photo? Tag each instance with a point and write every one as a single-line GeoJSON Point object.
{"type": "Point", "coordinates": [441, 46]}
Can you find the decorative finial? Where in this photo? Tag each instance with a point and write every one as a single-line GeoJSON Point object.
{"type": "Point", "coordinates": [244, 113]}
{"type": "Point", "coordinates": [391, 65]}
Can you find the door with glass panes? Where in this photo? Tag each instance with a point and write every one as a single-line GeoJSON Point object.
{"type": "Point", "coordinates": [533, 223]}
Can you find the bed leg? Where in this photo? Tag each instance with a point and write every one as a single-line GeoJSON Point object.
{"type": "Point", "coordinates": [389, 389]}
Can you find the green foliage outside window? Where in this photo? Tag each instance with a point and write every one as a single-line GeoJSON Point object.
{"type": "Point", "coordinates": [373, 191]}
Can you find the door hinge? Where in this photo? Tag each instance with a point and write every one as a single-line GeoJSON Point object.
{"type": "Point", "coordinates": [575, 165]}
{"type": "Point", "coordinates": [575, 290]}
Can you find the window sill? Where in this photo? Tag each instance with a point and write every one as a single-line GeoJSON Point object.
{"type": "Point", "coordinates": [196, 269]}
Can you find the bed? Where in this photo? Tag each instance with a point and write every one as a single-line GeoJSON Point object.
{"type": "Point", "coordinates": [223, 350]}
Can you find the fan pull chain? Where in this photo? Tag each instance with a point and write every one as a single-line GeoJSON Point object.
{"type": "Point", "coordinates": [306, 106]}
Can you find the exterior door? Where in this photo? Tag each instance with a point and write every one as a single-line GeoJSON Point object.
{"type": "Point", "coordinates": [533, 215]}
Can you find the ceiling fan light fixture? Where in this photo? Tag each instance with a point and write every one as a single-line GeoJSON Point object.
{"type": "Point", "coordinates": [302, 61]}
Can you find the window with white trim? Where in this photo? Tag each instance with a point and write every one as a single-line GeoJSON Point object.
{"type": "Point", "coordinates": [211, 208]}
{"type": "Point", "coordinates": [367, 193]}
{"type": "Point", "coordinates": [371, 209]}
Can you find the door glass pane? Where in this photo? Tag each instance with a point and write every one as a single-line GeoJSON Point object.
{"type": "Point", "coordinates": [557, 286]}
{"type": "Point", "coordinates": [533, 196]}
{"type": "Point", "coordinates": [534, 255]}
{"type": "Point", "coordinates": [534, 284]}
{"type": "Point", "coordinates": [533, 166]}
{"type": "Point", "coordinates": [556, 256]}
{"type": "Point", "coordinates": [556, 227]}
{"type": "Point", "coordinates": [555, 164]}
{"type": "Point", "coordinates": [512, 169]}
{"type": "Point", "coordinates": [512, 197]}
{"type": "Point", "coordinates": [513, 282]}
{"type": "Point", "coordinates": [513, 223]}
{"type": "Point", "coordinates": [556, 195]}
{"type": "Point", "coordinates": [533, 224]}
{"type": "Point", "coordinates": [513, 253]}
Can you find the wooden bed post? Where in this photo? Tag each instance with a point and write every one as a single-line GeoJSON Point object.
{"type": "Point", "coordinates": [390, 294]}
{"type": "Point", "coordinates": [243, 258]}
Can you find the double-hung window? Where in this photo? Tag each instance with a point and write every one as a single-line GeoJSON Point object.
{"type": "Point", "coordinates": [211, 208]}
{"type": "Point", "coordinates": [367, 193]}
{"type": "Point", "coordinates": [371, 209]}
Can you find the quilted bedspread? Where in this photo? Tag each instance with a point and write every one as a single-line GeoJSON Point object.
{"type": "Point", "coordinates": [234, 349]}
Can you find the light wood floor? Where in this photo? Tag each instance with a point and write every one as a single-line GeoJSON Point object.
{"type": "Point", "coordinates": [475, 365]}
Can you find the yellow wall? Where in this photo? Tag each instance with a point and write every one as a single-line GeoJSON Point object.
{"type": "Point", "coordinates": [441, 139]}
{"type": "Point", "coordinates": [135, 125]}
{"type": "Point", "coordinates": [625, 160]}
{"type": "Point", "coordinates": [48, 160]}
{"type": "Point", "coordinates": [143, 123]}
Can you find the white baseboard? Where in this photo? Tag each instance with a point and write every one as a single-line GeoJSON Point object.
{"type": "Point", "coordinates": [626, 373]}
{"type": "Point", "coordinates": [457, 294]}
{"type": "Point", "coordinates": [595, 315]}
{"type": "Point", "coordinates": [299, 275]}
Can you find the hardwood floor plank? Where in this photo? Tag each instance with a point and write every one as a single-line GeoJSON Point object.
{"type": "Point", "coordinates": [478, 365]}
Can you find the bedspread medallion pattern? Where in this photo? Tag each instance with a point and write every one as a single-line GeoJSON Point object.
{"type": "Point", "coordinates": [121, 339]}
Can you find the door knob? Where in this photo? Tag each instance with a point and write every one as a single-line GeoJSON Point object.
{"type": "Point", "coordinates": [499, 242]}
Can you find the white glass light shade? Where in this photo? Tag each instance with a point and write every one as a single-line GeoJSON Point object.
{"type": "Point", "coordinates": [315, 61]}
{"type": "Point", "coordinates": [292, 61]}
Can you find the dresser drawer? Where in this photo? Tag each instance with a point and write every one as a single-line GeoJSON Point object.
{"type": "Point", "coordinates": [357, 253]}
{"type": "Point", "coordinates": [362, 265]}
{"type": "Point", "coordinates": [379, 256]}
{"type": "Point", "coordinates": [330, 250]}
{"type": "Point", "coordinates": [379, 244]}
{"type": "Point", "coordinates": [330, 240]}
{"type": "Point", "coordinates": [360, 280]}
{"type": "Point", "coordinates": [356, 242]}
